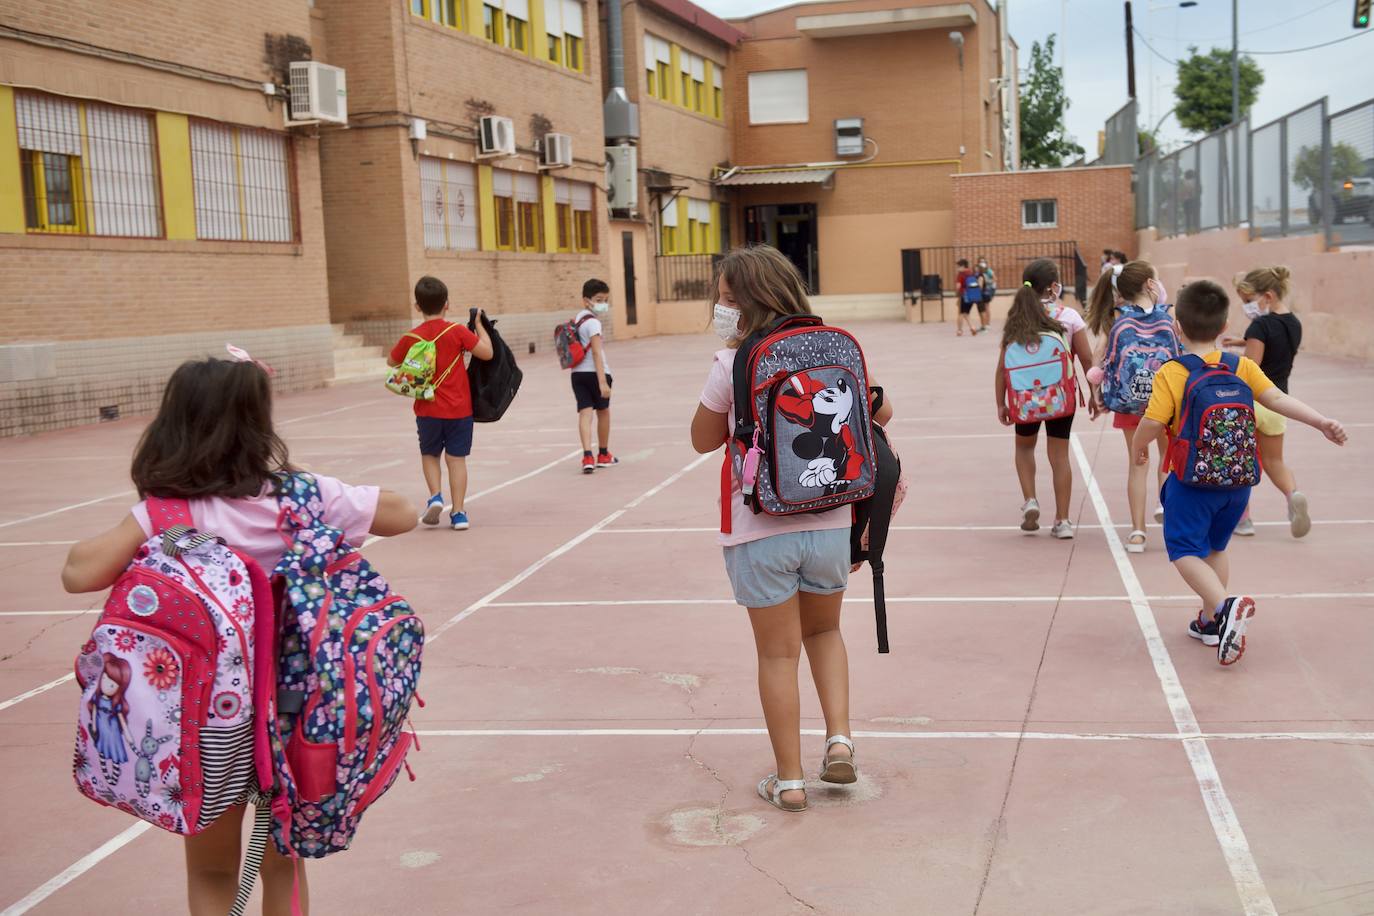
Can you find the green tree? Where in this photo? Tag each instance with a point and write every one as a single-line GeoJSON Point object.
{"type": "Point", "coordinates": [1146, 140]}
{"type": "Point", "coordinates": [1204, 89]}
{"type": "Point", "coordinates": [1043, 104]}
{"type": "Point", "coordinates": [1307, 166]}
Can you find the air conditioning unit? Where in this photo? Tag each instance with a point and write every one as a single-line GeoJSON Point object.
{"type": "Point", "coordinates": [622, 178]}
{"type": "Point", "coordinates": [318, 93]}
{"type": "Point", "coordinates": [496, 137]}
{"type": "Point", "coordinates": [557, 152]}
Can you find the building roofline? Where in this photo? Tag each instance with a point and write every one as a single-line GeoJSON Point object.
{"type": "Point", "coordinates": [703, 21]}
{"type": "Point", "coordinates": [1068, 168]}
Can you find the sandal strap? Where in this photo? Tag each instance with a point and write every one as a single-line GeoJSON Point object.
{"type": "Point", "coordinates": [839, 739]}
{"type": "Point", "coordinates": [787, 785]}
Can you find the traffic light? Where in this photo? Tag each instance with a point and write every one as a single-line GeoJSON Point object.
{"type": "Point", "coordinates": [1362, 13]}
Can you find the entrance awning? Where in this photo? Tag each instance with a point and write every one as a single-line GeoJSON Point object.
{"type": "Point", "coordinates": [778, 176]}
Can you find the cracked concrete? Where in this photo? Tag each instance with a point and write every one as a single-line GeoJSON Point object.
{"type": "Point", "coordinates": [35, 637]}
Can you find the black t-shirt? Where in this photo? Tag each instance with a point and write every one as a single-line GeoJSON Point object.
{"type": "Point", "coordinates": [1281, 336]}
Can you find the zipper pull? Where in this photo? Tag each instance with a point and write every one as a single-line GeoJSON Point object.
{"type": "Point", "coordinates": [414, 735]}
{"type": "Point", "coordinates": [409, 771]}
{"type": "Point", "coordinates": [418, 700]}
{"type": "Point", "coordinates": [750, 473]}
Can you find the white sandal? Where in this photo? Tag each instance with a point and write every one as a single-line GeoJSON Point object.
{"type": "Point", "coordinates": [779, 786]}
{"type": "Point", "coordinates": [840, 770]}
{"type": "Point", "coordinates": [1134, 546]}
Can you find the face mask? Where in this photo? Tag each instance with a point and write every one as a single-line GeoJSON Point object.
{"type": "Point", "coordinates": [601, 308]}
{"type": "Point", "coordinates": [1251, 309]}
{"type": "Point", "coordinates": [725, 321]}
{"type": "Point", "coordinates": [982, 265]}
{"type": "Point", "coordinates": [1161, 295]}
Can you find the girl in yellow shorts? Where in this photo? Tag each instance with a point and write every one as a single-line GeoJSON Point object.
{"type": "Point", "coordinates": [1272, 340]}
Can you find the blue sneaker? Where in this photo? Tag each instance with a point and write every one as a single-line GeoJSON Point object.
{"type": "Point", "coordinates": [459, 521]}
{"type": "Point", "coordinates": [433, 509]}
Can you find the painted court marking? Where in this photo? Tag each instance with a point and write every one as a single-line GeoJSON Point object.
{"type": "Point", "coordinates": [501, 486]}
{"type": "Point", "coordinates": [1254, 896]}
{"type": "Point", "coordinates": [557, 552]}
{"type": "Point", "coordinates": [44, 688]}
{"type": "Point", "coordinates": [77, 869]}
{"type": "Point", "coordinates": [927, 599]}
{"type": "Point", "coordinates": [51, 512]}
{"type": "Point", "coordinates": [688, 530]}
{"type": "Point", "coordinates": [887, 735]}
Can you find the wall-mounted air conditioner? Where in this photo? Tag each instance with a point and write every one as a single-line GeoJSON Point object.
{"type": "Point", "coordinates": [622, 178]}
{"type": "Point", "coordinates": [318, 92]}
{"type": "Point", "coordinates": [557, 151]}
{"type": "Point", "coordinates": [496, 137]}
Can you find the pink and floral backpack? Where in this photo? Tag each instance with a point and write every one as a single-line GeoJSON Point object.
{"type": "Point", "coordinates": [165, 727]}
{"type": "Point", "coordinates": [348, 665]}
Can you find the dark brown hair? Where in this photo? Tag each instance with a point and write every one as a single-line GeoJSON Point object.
{"type": "Point", "coordinates": [1027, 318]}
{"type": "Point", "coordinates": [212, 435]}
{"type": "Point", "coordinates": [594, 286]}
{"type": "Point", "coordinates": [1202, 308]}
{"type": "Point", "coordinates": [431, 295]}
{"type": "Point", "coordinates": [1129, 284]}
{"type": "Point", "coordinates": [764, 284]}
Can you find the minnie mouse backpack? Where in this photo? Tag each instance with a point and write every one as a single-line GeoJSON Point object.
{"type": "Point", "coordinates": [165, 726]}
{"type": "Point", "coordinates": [804, 438]}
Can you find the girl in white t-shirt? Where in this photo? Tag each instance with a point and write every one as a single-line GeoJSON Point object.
{"type": "Point", "coordinates": [212, 443]}
{"type": "Point", "coordinates": [1037, 309]}
{"type": "Point", "coordinates": [789, 571]}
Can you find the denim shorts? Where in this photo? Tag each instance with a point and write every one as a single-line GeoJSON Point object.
{"type": "Point", "coordinates": [768, 571]}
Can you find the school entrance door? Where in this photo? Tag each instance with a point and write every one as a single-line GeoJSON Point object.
{"type": "Point", "coordinates": [790, 228]}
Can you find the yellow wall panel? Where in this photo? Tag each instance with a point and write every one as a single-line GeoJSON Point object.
{"type": "Point", "coordinates": [174, 161]}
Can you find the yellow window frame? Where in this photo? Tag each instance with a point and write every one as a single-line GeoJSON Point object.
{"type": "Point", "coordinates": [505, 223]}
{"type": "Point", "coordinates": [719, 102]}
{"type": "Point", "coordinates": [699, 96]}
{"type": "Point", "coordinates": [668, 243]}
{"type": "Point", "coordinates": [528, 223]}
{"type": "Point", "coordinates": [584, 237]}
{"type": "Point", "coordinates": [556, 49]}
{"type": "Point", "coordinates": [37, 179]}
{"type": "Point", "coordinates": [664, 81]}
{"type": "Point", "coordinates": [493, 24]}
{"type": "Point", "coordinates": [436, 10]}
{"type": "Point", "coordinates": [516, 31]}
{"type": "Point", "coordinates": [563, 215]}
{"type": "Point", "coordinates": [573, 47]}
{"type": "Point", "coordinates": [686, 97]}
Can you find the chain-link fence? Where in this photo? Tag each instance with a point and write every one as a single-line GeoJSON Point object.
{"type": "Point", "coordinates": [1302, 173]}
{"type": "Point", "coordinates": [1122, 141]}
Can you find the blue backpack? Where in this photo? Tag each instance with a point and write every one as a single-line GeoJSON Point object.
{"type": "Point", "coordinates": [1139, 343]}
{"type": "Point", "coordinates": [1215, 448]}
{"type": "Point", "coordinates": [972, 292]}
{"type": "Point", "coordinates": [348, 664]}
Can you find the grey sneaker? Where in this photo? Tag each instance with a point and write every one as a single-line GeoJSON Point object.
{"type": "Point", "coordinates": [1063, 529]}
{"type": "Point", "coordinates": [1246, 528]}
{"type": "Point", "coordinates": [1030, 515]}
{"type": "Point", "coordinates": [1299, 522]}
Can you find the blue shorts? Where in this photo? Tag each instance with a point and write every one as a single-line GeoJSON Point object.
{"type": "Point", "coordinates": [439, 435]}
{"type": "Point", "coordinates": [1199, 522]}
{"type": "Point", "coordinates": [768, 571]}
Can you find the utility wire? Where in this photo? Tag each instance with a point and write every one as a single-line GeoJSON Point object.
{"type": "Point", "coordinates": [1311, 47]}
{"type": "Point", "coordinates": [1261, 29]}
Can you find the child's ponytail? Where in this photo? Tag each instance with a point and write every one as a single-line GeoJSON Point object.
{"type": "Point", "coordinates": [1027, 318]}
{"type": "Point", "coordinates": [1102, 303]}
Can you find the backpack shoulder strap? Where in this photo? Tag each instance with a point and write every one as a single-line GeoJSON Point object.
{"type": "Point", "coordinates": [168, 513]}
{"type": "Point", "coordinates": [295, 495]}
{"type": "Point", "coordinates": [450, 327]}
{"type": "Point", "coordinates": [1190, 361]}
{"type": "Point", "coordinates": [1231, 361]}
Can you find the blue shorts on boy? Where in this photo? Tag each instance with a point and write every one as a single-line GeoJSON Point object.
{"type": "Point", "coordinates": [768, 571]}
{"type": "Point", "coordinates": [439, 435]}
{"type": "Point", "coordinates": [1198, 522]}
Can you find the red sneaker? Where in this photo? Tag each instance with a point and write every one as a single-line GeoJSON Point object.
{"type": "Point", "coordinates": [606, 459]}
{"type": "Point", "coordinates": [588, 464]}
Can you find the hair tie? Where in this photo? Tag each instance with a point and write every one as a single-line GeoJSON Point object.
{"type": "Point", "coordinates": [241, 355]}
{"type": "Point", "coordinates": [1027, 283]}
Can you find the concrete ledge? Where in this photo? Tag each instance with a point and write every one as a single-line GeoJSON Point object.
{"type": "Point", "coordinates": [838, 309]}
{"type": "Point", "coordinates": [872, 22]}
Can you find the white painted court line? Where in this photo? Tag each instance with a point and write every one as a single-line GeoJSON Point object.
{"type": "Point", "coordinates": [1254, 896]}
{"type": "Point", "coordinates": [36, 543]}
{"type": "Point", "coordinates": [51, 512]}
{"type": "Point", "coordinates": [557, 552]}
{"type": "Point", "coordinates": [71, 613]}
{"type": "Point", "coordinates": [77, 869]}
{"type": "Point", "coordinates": [327, 413]}
{"type": "Point", "coordinates": [927, 599]}
{"type": "Point", "coordinates": [501, 486]}
{"type": "Point", "coordinates": [15, 701]}
{"type": "Point", "coordinates": [888, 735]}
{"type": "Point", "coordinates": [956, 528]}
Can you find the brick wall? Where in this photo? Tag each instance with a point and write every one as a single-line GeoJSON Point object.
{"type": "Point", "coordinates": [1095, 208]}
{"type": "Point", "coordinates": [399, 67]}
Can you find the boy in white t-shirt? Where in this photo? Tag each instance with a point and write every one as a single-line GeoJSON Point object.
{"type": "Point", "coordinates": [591, 378]}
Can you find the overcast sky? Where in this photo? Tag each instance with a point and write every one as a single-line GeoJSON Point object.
{"type": "Point", "coordinates": [1095, 54]}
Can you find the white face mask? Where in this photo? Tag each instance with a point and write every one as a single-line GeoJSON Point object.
{"type": "Point", "coordinates": [725, 321]}
{"type": "Point", "coordinates": [1252, 309]}
{"type": "Point", "coordinates": [601, 308]}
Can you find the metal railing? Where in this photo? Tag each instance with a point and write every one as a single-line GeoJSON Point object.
{"type": "Point", "coordinates": [1008, 260]}
{"type": "Point", "coordinates": [684, 276]}
{"type": "Point", "coordinates": [1305, 172]}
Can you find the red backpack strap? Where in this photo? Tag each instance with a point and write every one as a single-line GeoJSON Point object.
{"type": "Point", "coordinates": [168, 513]}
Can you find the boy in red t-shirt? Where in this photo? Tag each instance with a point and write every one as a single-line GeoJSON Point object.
{"type": "Point", "coordinates": [445, 423]}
